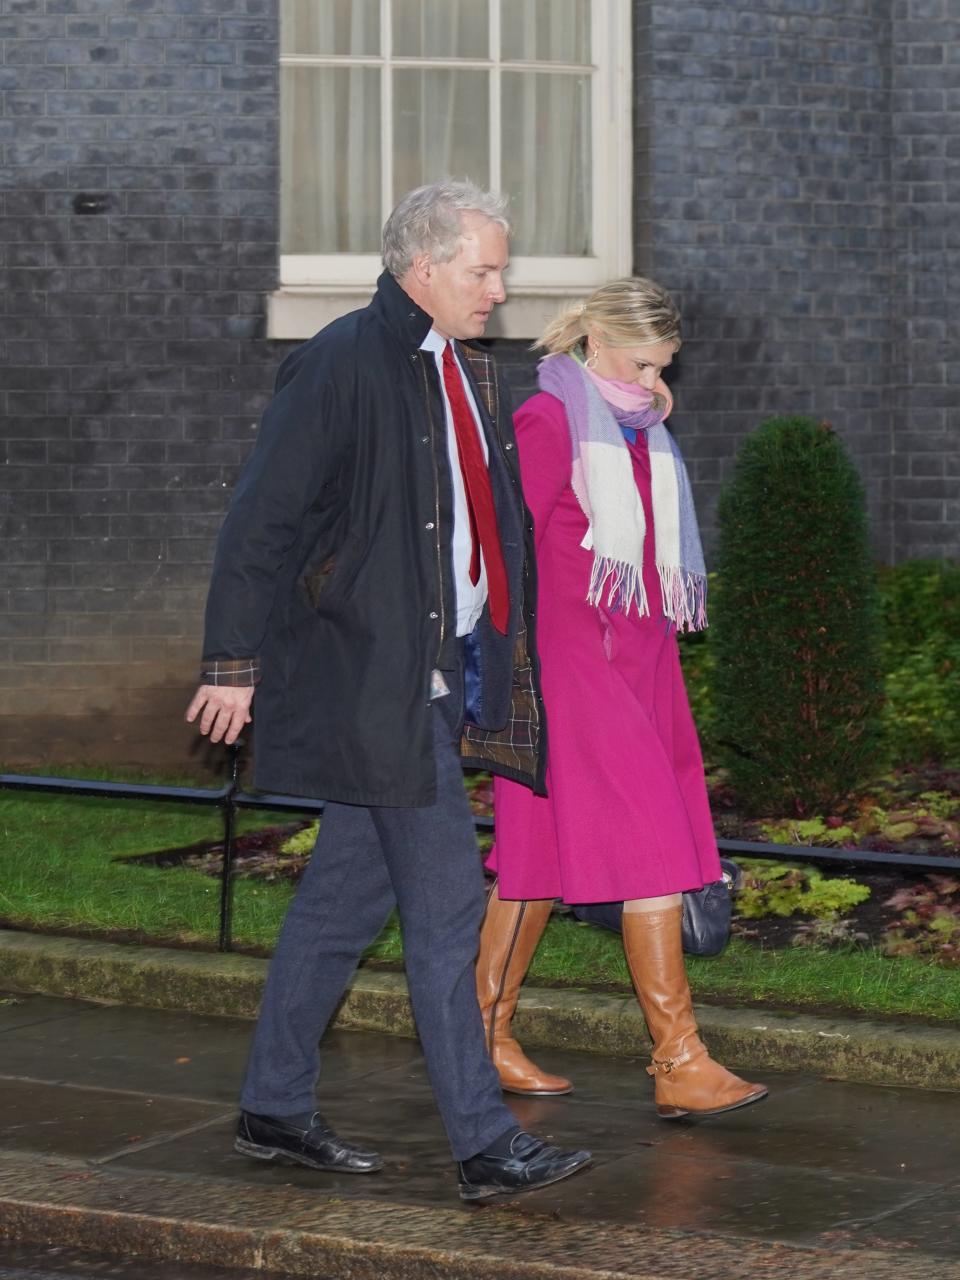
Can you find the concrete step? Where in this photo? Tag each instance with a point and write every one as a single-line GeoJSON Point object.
{"type": "Point", "coordinates": [898, 1052]}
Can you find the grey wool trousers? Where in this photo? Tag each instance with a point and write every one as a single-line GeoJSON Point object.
{"type": "Point", "coordinates": [366, 860]}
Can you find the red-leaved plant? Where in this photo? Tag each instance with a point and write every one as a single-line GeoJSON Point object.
{"type": "Point", "coordinates": [929, 923]}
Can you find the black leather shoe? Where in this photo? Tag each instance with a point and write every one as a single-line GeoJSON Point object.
{"type": "Point", "coordinates": [530, 1164]}
{"type": "Point", "coordinates": [272, 1138]}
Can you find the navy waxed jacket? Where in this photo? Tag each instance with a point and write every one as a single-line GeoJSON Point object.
{"type": "Point", "coordinates": [333, 570]}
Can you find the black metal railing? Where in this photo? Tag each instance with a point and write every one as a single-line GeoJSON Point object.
{"type": "Point", "coordinates": [231, 797]}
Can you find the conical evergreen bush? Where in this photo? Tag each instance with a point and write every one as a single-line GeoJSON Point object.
{"type": "Point", "coordinates": [795, 625]}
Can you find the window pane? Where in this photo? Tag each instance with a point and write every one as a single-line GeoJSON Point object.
{"type": "Point", "coordinates": [330, 142]}
{"type": "Point", "coordinates": [440, 127]}
{"type": "Point", "coordinates": [330, 26]}
{"type": "Point", "coordinates": [545, 30]}
{"type": "Point", "coordinates": [441, 29]}
{"type": "Point", "coordinates": [546, 161]}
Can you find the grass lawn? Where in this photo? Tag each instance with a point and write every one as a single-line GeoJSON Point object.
{"type": "Point", "coordinates": [583, 956]}
{"type": "Point", "coordinates": [58, 872]}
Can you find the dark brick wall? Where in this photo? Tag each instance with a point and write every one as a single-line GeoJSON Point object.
{"type": "Point", "coordinates": [796, 187]}
{"type": "Point", "coordinates": [763, 171]}
{"type": "Point", "coordinates": [796, 174]}
{"type": "Point", "coordinates": [134, 366]}
{"type": "Point", "coordinates": [926, 364]}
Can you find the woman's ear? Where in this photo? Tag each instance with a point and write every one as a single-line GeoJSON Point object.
{"type": "Point", "coordinates": [591, 345]}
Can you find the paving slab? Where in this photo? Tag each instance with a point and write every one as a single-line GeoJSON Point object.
{"type": "Point", "coordinates": [17, 1013]}
{"type": "Point", "coordinates": [848, 1128]}
{"type": "Point", "coordinates": [930, 1225]}
{"type": "Point", "coordinates": [729, 1196]}
{"type": "Point", "coordinates": [103, 1147]}
{"type": "Point", "coordinates": [56, 1119]}
{"type": "Point", "coordinates": [200, 1057]}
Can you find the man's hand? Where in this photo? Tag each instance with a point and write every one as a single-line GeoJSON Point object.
{"type": "Point", "coordinates": [225, 708]}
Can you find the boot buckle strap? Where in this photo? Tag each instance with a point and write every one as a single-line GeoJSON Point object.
{"type": "Point", "coordinates": [667, 1065]}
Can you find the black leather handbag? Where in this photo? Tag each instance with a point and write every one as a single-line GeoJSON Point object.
{"type": "Point", "coordinates": [706, 913]}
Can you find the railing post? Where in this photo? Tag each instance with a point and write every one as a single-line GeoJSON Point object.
{"type": "Point", "coordinates": [229, 804]}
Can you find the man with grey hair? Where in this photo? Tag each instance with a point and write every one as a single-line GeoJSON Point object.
{"type": "Point", "coordinates": [374, 583]}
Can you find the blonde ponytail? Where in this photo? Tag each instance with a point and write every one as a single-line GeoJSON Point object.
{"type": "Point", "coordinates": [632, 312]}
{"type": "Point", "coordinates": [565, 330]}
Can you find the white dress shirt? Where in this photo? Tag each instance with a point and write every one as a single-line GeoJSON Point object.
{"type": "Point", "coordinates": [470, 597]}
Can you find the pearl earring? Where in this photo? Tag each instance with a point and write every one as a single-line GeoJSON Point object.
{"type": "Point", "coordinates": [591, 361]}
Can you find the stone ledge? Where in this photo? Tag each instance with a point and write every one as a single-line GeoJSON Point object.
{"type": "Point", "coordinates": [871, 1052]}
{"type": "Point", "coordinates": [191, 1219]}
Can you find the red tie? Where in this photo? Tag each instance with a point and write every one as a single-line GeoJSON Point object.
{"type": "Point", "coordinates": [476, 482]}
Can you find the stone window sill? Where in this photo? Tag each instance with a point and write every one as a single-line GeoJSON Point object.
{"type": "Point", "coordinates": [296, 313]}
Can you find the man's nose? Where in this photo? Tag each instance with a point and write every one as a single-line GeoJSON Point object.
{"type": "Point", "coordinates": [497, 291]}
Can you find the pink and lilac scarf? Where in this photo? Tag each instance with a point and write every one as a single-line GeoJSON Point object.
{"type": "Point", "coordinates": [604, 484]}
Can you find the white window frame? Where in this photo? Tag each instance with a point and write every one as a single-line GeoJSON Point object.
{"type": "Point", "coordinates": [316, 288]}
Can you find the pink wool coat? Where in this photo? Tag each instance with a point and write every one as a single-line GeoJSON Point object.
{"type": "Point", "coordinates": [626, 815]}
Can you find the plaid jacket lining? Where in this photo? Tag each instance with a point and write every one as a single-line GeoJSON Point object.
{"type": "Point", "coordinates": [236, 672]}
{"type": "Point", "coordinates": [515, 747]}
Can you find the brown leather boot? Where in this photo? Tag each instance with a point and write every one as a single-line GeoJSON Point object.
{"type": "Point", "coordinates": [688, 1081]}
{"type": "Point", "coordinates": [508, 939]}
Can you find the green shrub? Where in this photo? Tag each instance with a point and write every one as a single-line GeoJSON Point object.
{"type": "Point", "coordinates": [780, 889]}
{"type": "Point", "coordinates": [922, 713]}
{"type": "Point", "coordinates": [697, 660]}
{"type": "Point", "coordinates": [796, 626]}
{"type": "Point", "coordinates": [813, 831]}
{"type": "Point", "coordinates": [921, 606]}
{"type": "Point", "coordinates": [303, 841]}
{"type": "Point", "coordinates": [921, 602]}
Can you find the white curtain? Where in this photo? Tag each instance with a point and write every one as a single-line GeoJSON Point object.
{"type": "Point", "coordinates": [331, 198]}
{"type": "Point", "coordinates": [440, 117]}
{"type": "Point", "coordinates": [546, 127]}
{"type": "Point", "coordinates": [330, 130]}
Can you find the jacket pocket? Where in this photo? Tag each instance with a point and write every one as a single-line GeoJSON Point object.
{"type": "Point", "coordinates": [316, 578]}
{"type": "Point", "coordinates": [323, 580]}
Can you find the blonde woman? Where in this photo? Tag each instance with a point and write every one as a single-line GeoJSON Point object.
{"type": "Point", "coordinates": [620, 571]}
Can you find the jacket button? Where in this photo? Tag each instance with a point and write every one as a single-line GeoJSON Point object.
{"type": "Point", "coordinates": [424, 439]}
{"type": "Point", "coordinates": [434, 614]}
{"type": "Point", "coordinates": [429, 524]}
{"type": "Point", "coordinates": [508, 446]}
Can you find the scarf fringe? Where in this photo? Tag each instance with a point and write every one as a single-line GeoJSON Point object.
{"type": "Point", "coordinates": [622, 582]}
{"type": "Point", "coordinates": [684, 597]}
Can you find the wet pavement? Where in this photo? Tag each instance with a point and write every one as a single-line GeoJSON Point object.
{"type": "Point", "coordinates": [119, 1105]}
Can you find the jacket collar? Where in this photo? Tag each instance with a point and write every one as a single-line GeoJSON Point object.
{"type": "Point", "coordinates": [411, 324]}
{"type": "Point", "coordinates": [400, 313]}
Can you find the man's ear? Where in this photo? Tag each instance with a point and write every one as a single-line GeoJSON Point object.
{"type": "Point", "coordinates": [422, 269]}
